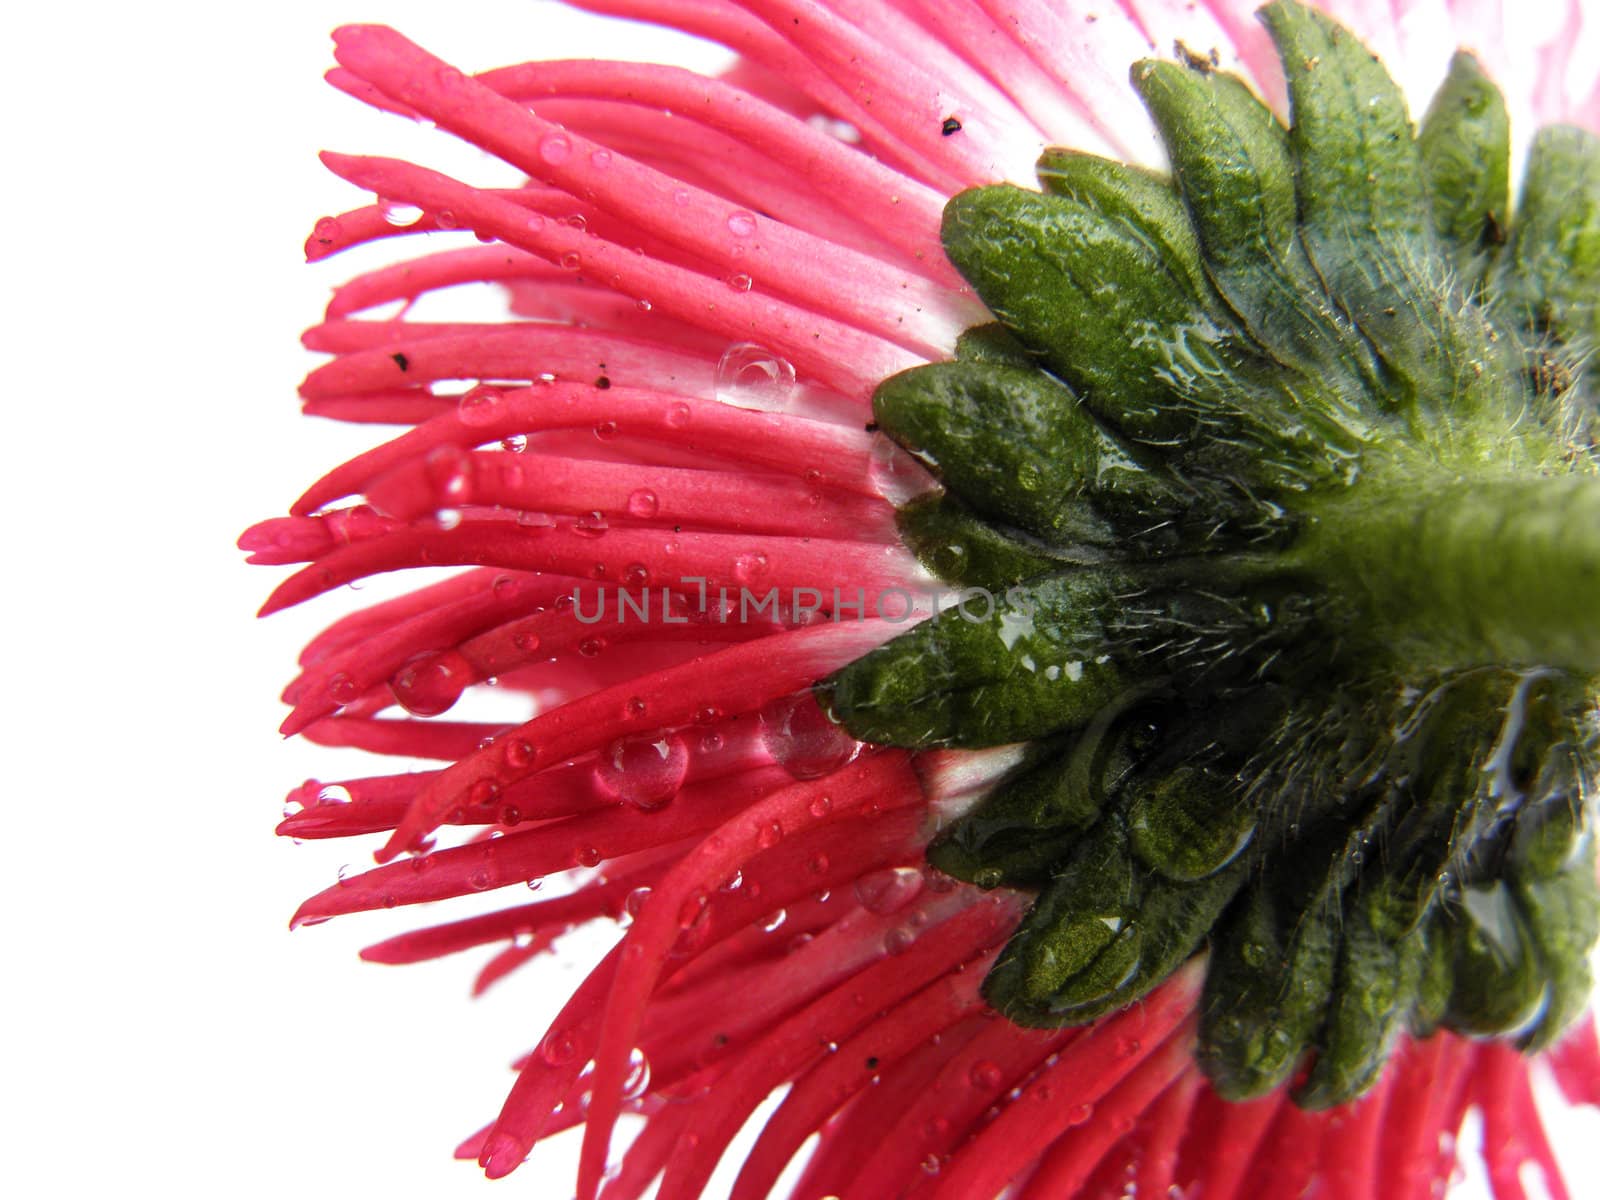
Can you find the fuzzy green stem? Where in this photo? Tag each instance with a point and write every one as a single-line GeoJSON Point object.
{"type": "Point", "coordinates": [1457, 574]}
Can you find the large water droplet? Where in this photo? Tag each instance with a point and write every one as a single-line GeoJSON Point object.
{"type": "Point", "coordinates": [801, 738]}
{"type": "Point", "coordinates": [751, 376]}
{"type": "Point", "coordinates": [888, 891]}
{"type": "Point", "coordinates": [645, 772]}
{"type": "Point", "coordinates": [431, 682]}
{"type": "Point", "coordinates": [643, 504]}
{"type": "Point", "coordinates": [399, 213]}
{"type": "Point", "coordinates": [555, 148]}
{"type": "Point", "coordinates": [481, 406]}
{"type": "Point", "coordinates": [741, 224]}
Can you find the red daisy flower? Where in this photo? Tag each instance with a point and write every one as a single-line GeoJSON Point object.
{"type": "Point", "coordinates": [1081, 692]}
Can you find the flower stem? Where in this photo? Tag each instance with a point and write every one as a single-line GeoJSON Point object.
{"type": "Point", "coordinates": [1457, 574]}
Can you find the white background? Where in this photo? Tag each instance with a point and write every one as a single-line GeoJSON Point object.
{"type": "Point", "coordinates": [162, 1027]}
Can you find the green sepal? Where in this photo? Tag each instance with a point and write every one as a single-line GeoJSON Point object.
{"type": "Point", "coordinates": [1374, 994]}
{"type": "Point", "coordinates": [1039, 663]}
{"type": "Point", "coordinates": [1549, 279]}
{"type": "Point", "coordinates": [961, 548]}
{"type": "Point", "coordinates": [1437, 980]}
{"type": "Point", "coordinates": [1015, 445]}
{"type": "Point", "coordinates": [1142, 201]}
{"type": "Point", "coordinates": [1499, 985]}
{"type": "Point", "coordinates": [1102, 934]}
{"type": "Point", "coordinates": [1367, 222]}
{"type": "Point", "coordinates": [1268, 982]}
{"type": "Point", "coordinates": [1189, 823]}
{"type": "Point", "coordinates": [1095, 301]}
{"type": "Point", "coordinates": [1550, 826]}
{"type": "Point", "coordinates": [1563, 916]}
{"type": "Point", "coordinates": [995, 344]}
{"type": "Point", "coordinates": [1015, 834]}
{"type": "Point", "coordinates": [1465, 143]}
{"type": "Point", "coordinates": [1230, 157]}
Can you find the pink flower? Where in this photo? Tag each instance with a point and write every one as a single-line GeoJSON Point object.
{"type": "Point", "coordinates": [709, 279]}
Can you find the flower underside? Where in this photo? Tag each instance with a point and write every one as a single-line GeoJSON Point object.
{"type": "Point", "coordinates": [1286, 470]}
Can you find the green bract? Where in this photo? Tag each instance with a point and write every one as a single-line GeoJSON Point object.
{"type": "Point", "coordinates": [1281, 478]}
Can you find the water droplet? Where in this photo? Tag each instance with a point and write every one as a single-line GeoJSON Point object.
{"type": "Point", "coordinates": [821, 807]}
{"type": "Point", "coordinates": [635, 575]}
{"type": "Point", "coordinates": [679, 415]}
{"type": "Point", "coordinates": [556, 148]}
{"type": "Point", "coordinates": [741, 224]}
{"type": "Point", "coordinates": [986, 1076]}
{"type": "Point", "coordinates": [819, 865]}
{"type": "Point", "coordinates": [449, 470]}
{"type": "Point", "coordinates": [591, 525]}
{"type": "Point", "coordinates": [1079, 1114]}
{"type": "Point", "coordinates": [343, 689]}
{"type": "Point", "coordinates": [519, 754]}
{"type": "Point", "coordinates": [633, 904]}
{"type": "Point", "coordinates": [600, 160]}
{"type": "Point", "coordinates": [483, 405]}
{"type": "Point", "coordinates": [527, 643]}
{"type": "Point", "coordinates": [645, 772]}
{"type": "Point", "coordinates": [751, 376]}
{"type": "Point", "coordinates": [693, 910]}
{"type": "Point", "coordinates": [643, 504]}
{"type": "Point", "coordinates": [558, 1048]}
{"type": "Point", "coordinates": [483, 793]}
{"type": "Point", "coordinates": [571, 261]}
{"type": "Point", "coordinates": [932, 1164]}
{"type": "Point", "coordinates": [643, 305]}
{"type": "Point", "coordinates": [398, 213]}
{"type": "Point", "coordinates": [431, 682]}
{"type": "Point", "coordinates": [479, 880]}
{"type": "Point", "coordinates": [801, 738]}
{"type": "Point", "coordinates": [888, 891]}
{"type": "Point", "coordinates": [445, 219]}
{"type": "Point", "coordinates": [775, 921]}
{"type": "Point", "coordinates": [740, 282]}
{"type": "Point", "coordinates": [768, 834]}
{"type": "Point", "coordinates": [899, 940]}
{"type": "Point", "coordinates": [587, 856]}
{"type": "Point", "coordinates": [590, 647]}
{"type": "Point", "coordinates": [750, 566]}
{"type": "Point", "coordinates": [637, 1081]}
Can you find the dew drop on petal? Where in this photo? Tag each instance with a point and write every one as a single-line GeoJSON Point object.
{"type": "Point", "coordinates": [801, 738]}
{"type": "Point", "coordinates": [558, 1048]}
{"type": "Point", "coordinates": [637, 1081]}
{"type": "Point", "coordinates": [645, 772]}
{"type": "Point", "coordinates": [889, 890]}
{"type": "Point", "coordinates": [679, 415]}
{"type": "Point", "coordinates": [774, 921]}
{"type": "Point", "coordinates": [519, 754]}
{"type": "Point", "coordinates": [643, 504]}
{"type": "Point", "coordinates": [633, 904]}
{"type": "Point", "coordinates": [556, 148]}
{"type": "Point", "coordinates": [399, 213]}
{"type": "Point", "coordinates": [445, 219]}
{"type": "Point", "coordinates": [591, 525]}
{"type": "Point", "coordinates": [483, 405]}
{"type": "Point", "coordinates": [986, 1076]}
{"type": "Point", "coordinates": [571, 261]}
{"type": "Point", "coordinates": [741, 224]}
{"type": "Point", "coordinates": [740, 282]}
{"type": "Point", "coordinates": [600, 160]}
{"type": "Point", "coordinates": [587, 856]}
{"type": "Point", "coordinates": [449, 470]}
{"type": "Point", "coordinates": [751, 376]}
{"type": "Point", "coordinates": [431, 682]}
{"type": "Point", "coordinates": [342, 689]}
